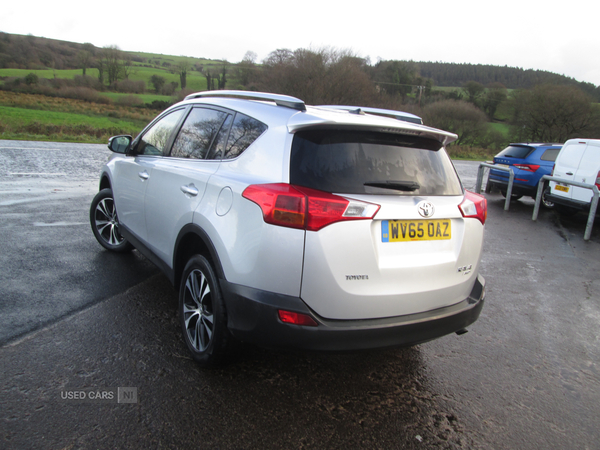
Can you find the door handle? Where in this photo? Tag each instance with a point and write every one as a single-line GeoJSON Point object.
{"type": "Point", "coordinates": [189, 190]}
{"type": "Point", "coordinates": [144, 175]}
{"type": "Point", "coordinates": [569, 173]}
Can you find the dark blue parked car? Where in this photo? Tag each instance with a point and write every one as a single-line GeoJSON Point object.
{"type": "Point", "coordinates": [529, 162]}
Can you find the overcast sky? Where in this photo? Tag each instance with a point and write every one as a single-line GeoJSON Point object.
{"type": "Point", "coordinates": [559, 37]}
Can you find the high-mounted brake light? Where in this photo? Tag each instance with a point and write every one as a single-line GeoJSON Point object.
{"type": "Point", "coordinates": [474, 206]}
{"type": "Point", "coordinates": [304, 208]}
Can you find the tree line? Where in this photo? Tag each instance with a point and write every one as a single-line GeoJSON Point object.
{"type": "Point", "coordinates": [540, 106]}
{"type": "Point", "coordinates": [545, 113]}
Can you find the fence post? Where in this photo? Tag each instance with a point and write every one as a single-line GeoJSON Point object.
{"type": "Point", "coordinates": [593, 205]}
{"type": "Point", "coordinates": [511, 179]}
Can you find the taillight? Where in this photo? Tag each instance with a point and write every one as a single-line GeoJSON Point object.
{"type": "Point", "coordinates": [598, 180]}
{"type": "Point", "coordinates": [474, 206]}
{"type": "Point", "coordinates": [527, 167]}
{"type": "Point", "coordinates": [300, 207]}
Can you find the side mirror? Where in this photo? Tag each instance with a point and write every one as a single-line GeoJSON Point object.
{"type": "Point", "coordinates": [120, 144]}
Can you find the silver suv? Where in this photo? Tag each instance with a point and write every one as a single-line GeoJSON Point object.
{"type": "Point", "coordinates": [286, 225]}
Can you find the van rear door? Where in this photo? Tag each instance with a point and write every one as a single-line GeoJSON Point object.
{"type": "Point", "coordinates": [567, 164]}
{"type": "Point", "coordinates": [587, 171]}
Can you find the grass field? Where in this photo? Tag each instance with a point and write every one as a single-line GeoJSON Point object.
{"type": "Point", "coordinates": [144, 98]}
{"type": "Point", "coordinates": [195, 80]}
{"type": "Point", "coordinates": [37, 117]}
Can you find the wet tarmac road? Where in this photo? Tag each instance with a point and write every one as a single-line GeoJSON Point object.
{"type": "Point", "coordinates": [525, 376]}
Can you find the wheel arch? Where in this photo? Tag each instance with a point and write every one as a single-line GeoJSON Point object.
{"type": "Point", "coordinates": [193, 240]}
{"type": "Point", "coordinates": [105, 181]}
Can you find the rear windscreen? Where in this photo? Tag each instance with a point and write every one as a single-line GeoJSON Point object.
{"type": "Point", "coordinates": [365, 162]}
{"type": "Point", "coordinates": [515, 151]}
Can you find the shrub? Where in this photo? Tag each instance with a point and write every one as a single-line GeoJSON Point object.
{"type": "Point", "coordinates": [129, 86]}
{"type": "Point", "coordinates": [129, 100]}
{"type": "Point", "coordinates": [158, 82]}
{"type": "Point", "coordinates": [180, 95]}
{"type": "Point", "coordinates": [158, 104]}
{"type": "Point", "coordinates": [88, 81]}
{"type": "Point", "coordinates": [31, 78]}
{"type": "Point", "coordinates": [82, 93]}
{"type": "Point", "coordinates": [456, 116]}
{"type": "Point", "coordinates": [169, 89]}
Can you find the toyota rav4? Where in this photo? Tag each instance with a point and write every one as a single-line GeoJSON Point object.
{"type": "Point", "coordinates": [285, 225]}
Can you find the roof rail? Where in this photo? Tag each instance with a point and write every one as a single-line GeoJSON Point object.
{"type": "Point", "coordinates": [399, 115]}
{"type": "Point", "coordinates": [280, 100]}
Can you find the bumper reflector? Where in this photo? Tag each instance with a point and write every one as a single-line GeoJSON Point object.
{"type": "Point", "coordinates": [296, 318]}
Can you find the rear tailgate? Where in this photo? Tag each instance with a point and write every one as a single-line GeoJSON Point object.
{"type": "Point", "coordinates": [364, 269]}
{"type": "Point", "coordinates": [567, 165]}
{"type": "Point", "coordinates": [511, 155]}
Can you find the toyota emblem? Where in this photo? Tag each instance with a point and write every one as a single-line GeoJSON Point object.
{"type": "Point", "coordinates": [426, 209]}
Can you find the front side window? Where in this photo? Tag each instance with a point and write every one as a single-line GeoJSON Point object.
{"type": "Point", "coordinates": [199, 133]}
{"type": "Point", "coordinates": [244, 132]}
{"type": "Point", "coordinates": [155, 140]}
{"type": "Point", "coordinates": [368, 162]}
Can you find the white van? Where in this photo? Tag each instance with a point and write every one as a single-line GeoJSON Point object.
{"type": "Point", "coordinates": [578, 160]}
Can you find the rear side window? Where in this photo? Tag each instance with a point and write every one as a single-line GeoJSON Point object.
{"type": "Point", "coordinates": [515, 151]}
{"type": "Point", "coordinates": [200, 132]}
{"type": "Point", "coordinates": [244, 132]}
{"type": "Point", "coordinates": [550, 154]}
{"type": "Point", "coordinates": [364, 162]}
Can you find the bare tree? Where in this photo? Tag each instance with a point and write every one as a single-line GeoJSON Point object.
{"type": "Point", "coordinates": [111, 62]}
{"type": "Point", "coordinates": [474, 91]}
{"type": "Point", "coordinates": [84, 58]}
{"type": "Point", "coordinates": [554, 113]}
{"type": "Point", "coordinates": [457, 116]}
{"type": "Point", "coordinates": [127, 67]}
{"type": "Point", "coordinates": [181, 69]}
{"type": "Point", "coordinates": [214, 78]}
{"type": "Point", "coordinates": [247, 68]}
{"type": "Point", "coordinates": [158, 82]}
{"type": "Point", "coordinates": [208, 74]}
{"type": "Point", "coordinates": [495, 94]}
{"type": "Point", "coordinates": [318, 76]}
{"type": "Point", "coordinates": [223, 77]}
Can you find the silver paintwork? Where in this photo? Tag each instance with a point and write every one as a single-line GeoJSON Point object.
{"type": "Point", "coordinates": [343, 271]}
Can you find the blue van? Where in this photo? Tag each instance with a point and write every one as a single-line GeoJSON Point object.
{"type": "Point", "coordinates": [529, 163]}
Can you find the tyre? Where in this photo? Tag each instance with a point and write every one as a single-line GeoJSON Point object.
{"type": "Point", "coordinates": [513, 197]}
{"type": "Point", "coordinates": [202, 314]}
{"type": "Point", "coordinates": [545, 202]}
{"type": "Point", "coordinates": [105, 223]}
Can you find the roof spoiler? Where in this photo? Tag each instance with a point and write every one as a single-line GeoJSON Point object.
{"type": "Point", "coordinates": [399, 115]}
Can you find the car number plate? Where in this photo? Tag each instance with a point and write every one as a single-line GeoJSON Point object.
{"type": "Point", "coordinates": [558, 187]}
{"type": "Point", "coordinates": [416, 230]}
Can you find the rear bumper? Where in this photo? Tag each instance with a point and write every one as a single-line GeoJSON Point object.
{"type": "Point", "coordinates": [583, 206]}
{"type": "Point", "coordinates": [253, 317]}
{"type": "Point", "coordinates": [518, 188]}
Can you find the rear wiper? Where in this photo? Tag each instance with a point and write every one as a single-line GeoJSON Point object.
{"type": "Point", "coordinates": [407, 186]}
